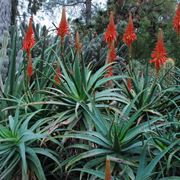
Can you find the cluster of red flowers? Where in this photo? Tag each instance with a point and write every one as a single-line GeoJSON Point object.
{"type": "Point", "coordinates": [111, 53]}
{"type": "Point", "coordinates": [28, 44]}
{"type": "Point", "coordinates": [62, 31]}
{"type": "Point", "coordinates": [129, 36]}
{"type": "Point", "coordinates": [63, 28]}
{"type": "Point", "coordinates": [110, 37]}
{"type": "Point", "coordinates": [111, 34]}
{"type": "Point", "coordinates": [159, 55]}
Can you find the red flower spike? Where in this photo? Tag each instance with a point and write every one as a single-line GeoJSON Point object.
{"type": "Point", "coordinates": [111, 53]}
{"type": "Point", "coordinates": [63, 28]}
{"type": "Point", "coordinates": [77, 45]}
{"type": "Point", "coordinates": [58, 75]}
{"type": "Point", "coordinates": [108, 170]}
{"type": "Point", "coordinates": [159, 55]}
{"type": "Point", "coordinates": [111, 33]}
{"type": "Point", "coordinates": [110, 58]}
{"type": "Point", "coordinates": [29, 68]}
{"type": "Point", "coordinates": [129, 36]}
{"type": "Point", "coordinates": [176, 20]}
{"type": "Point", "coordinates": [129, 84]}
{"type": "Point", "coordinates": [29, 40]}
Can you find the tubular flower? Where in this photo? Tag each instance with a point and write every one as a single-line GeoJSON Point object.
{"type": "Point", "coordinates": [77, 45]}
{"type": "Point", "coordinates": [159, 55]}
{"type": "Point", "coordinates": [63, 28]}
{"type": "Point", "coordinates": [29, 68]}
{"type": "Point", "coordinates": [129, 36]}
{"type": "Point", "coordinates": [111, 33]}
{"type": "Point", "coordinates": [108, 170]}
{"type": "Point", "coordinates": [58, 75]}
{"type": "Point", "coordinates": [176, 20]}
{"type": "Point", "coordinates": [29, 40]}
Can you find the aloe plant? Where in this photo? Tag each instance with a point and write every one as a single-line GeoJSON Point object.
{"type": "Point", "coordinates": [20, 148]}
{"type": "Point", "coordinates": [120, 137]}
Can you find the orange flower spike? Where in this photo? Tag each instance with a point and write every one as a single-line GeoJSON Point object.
{"type": "Point", "coordinates": [63, 28]}
{"type": "Point", "coordinates": [129, 36]}
{"type": "Point", "coordinates": [108, 170]}
{"type": "Point", "coordinates": [111, 33]}
{"type": "Point", "coordinates": [29, 68]}
{"type": "Point", "coordinates": [58, 75]}
{"type": "Point", "coordinates": [176, 20]}
{"type": "Point", "coordinates": [29, 40]}
{"type": "Point", "coordinates": [77, 45]}
{"type": "Point", "coordinates": [159, 55]}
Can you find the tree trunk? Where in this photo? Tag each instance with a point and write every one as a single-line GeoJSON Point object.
{"type": "Point", "coordinates": [14, 11]}
{"type": "Point", "coordinates": [88, 12]}
{"type": "Point", "coordinates": [5, 16]}
{"type": "Point", "coordinates": [5, 22]}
